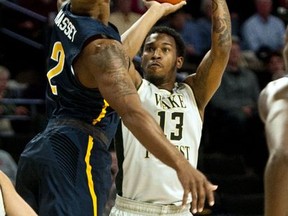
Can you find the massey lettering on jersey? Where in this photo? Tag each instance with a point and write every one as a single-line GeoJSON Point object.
{"type": "Point", "coordinates": [65, 25]}
{"type": "Point", "coordinates": [183, 149]}
{"type": "Point", "coordinates": [173, 101]}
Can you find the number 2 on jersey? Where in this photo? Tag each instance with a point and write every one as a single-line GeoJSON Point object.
{"type": "Point", "coordinates": [57, 55]}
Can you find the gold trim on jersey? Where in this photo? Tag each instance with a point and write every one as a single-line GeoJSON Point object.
{"type": "Point", "coordinates": [102, 114]}
{"type": "Point", "coordinates": [89, 175]}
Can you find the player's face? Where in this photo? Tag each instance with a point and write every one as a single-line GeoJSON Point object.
{"type": "Point", "coordinates": [159, 59]}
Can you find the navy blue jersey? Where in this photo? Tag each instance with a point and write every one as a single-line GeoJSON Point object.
{"type": "Point", "coordinates": [66, 97]}
{"type": "Point", "coordinates": [65, 170]}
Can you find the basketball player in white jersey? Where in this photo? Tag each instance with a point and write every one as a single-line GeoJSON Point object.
{"type": "Point", "coordinates": [11, 203]}
{"type": "Point", "coordinates": [145, 185]}
{"type": "Point", "coordinates": [273, 109]}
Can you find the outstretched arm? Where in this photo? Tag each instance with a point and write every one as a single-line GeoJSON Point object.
{"type": "Point", "coordinates": [133, 38]}
{"type": "Point", "coordinates": [209, 73]}
{"type": "Point", "coordinates": [14, 205]}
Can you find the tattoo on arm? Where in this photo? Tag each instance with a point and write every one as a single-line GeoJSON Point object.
{"type": "Point", "coordinates": [115, 63]}
{"type": "Point", "coordinates": [222, 23]}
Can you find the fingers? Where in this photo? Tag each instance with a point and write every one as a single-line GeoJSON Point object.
{"type": "Point", "coordinates": [185, 197]}
{"type": "Point", "coordinates": [169, 7]}
{"type": "Point", "coordinates": [198, 197]}
{"type": "Point", "coordinates": [201, 198]}
{"type": "Point", "coordinates": [199, 192]}
{"type": "Point", "coordinates": [195, 195]}
{"type": "Point", "coordinates": [210, 194]}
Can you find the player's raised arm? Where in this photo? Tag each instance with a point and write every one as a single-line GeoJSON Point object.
{"type": "Point", "coordinates": [209, 73]}
{"type": "Point", "coordinates": [133, 38]}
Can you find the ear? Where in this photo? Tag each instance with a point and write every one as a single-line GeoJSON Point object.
{"type": "Point", "coordinates": [179, 62]}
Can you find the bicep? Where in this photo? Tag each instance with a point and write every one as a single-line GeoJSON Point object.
{"type": "Point", "coordinates": [207, 79]}
{"type": "Point", "coordinates": [274, 106]}
{"type": "Point", "coordinates": [109, 67]}
{"type": "Point", "coordinates": [276, 125]}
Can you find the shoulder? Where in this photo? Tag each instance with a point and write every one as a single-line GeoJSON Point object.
{"type": "Point", "coordinates": [274, 92]}
{"type": "Point", "coordinates": [276, 19]}
{"type": "Point", "coordinates": [275, 87]}
{"type": "Point", "coordinates": [250, 20]}
{"type": "Point", "coordinates": [102, 45]}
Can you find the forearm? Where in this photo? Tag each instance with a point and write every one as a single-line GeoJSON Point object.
{"type": "Point", "coordinates": [14, 204]}
{"type": "Point", "coordinates": [149, 133]}
{"type": "Point", "coordinates": [221, 28]}
{"type": "Point", "coordinates": [212, 66]}
{"type": "Point", "coordinates": [133, 38]}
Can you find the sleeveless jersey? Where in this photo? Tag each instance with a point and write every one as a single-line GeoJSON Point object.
{"type": "Point", "coordinates": [66, 97]}
{"type": "Point", "coordinates": [145, 178]}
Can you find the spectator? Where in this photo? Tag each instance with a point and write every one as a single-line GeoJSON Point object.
{"type": "Point", "coordinates": [124, 17]}
{"type": "Point", "coordinates": [263, 29]}
{"type": "Point", "coordinates": [274, 68]}
{"type": "Point", "coordinates": [234, 126]}
{"type": "Point", "coordinates": [243, 9]}
{"type": "Point", "coordinates": [138, 6]}
{"type": "Point", "coordinates": [8, 109]}
{"type": "Point", "coordinates": [34, 28]}
{"type": "Point", "coordinates": [205, 23]}
{"type": "Point", "coordinates": [185, 25]}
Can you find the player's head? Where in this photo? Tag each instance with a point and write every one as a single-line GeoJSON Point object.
{"type": "Point", "coordinates": [180, 45]}
{"type": "Point", "coordinates": [162, 55]}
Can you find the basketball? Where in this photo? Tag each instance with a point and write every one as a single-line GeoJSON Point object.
{"type": "Point", "coordinates": [169, 1]}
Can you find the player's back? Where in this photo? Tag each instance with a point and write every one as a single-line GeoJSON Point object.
{"type": "Point", "coordinates": [66, 97]}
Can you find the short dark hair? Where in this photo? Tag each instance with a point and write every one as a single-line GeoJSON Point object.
{"type": "Point", "coordinates": [180, 45]}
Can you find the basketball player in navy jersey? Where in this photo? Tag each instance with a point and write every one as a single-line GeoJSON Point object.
{"type": "Point", "coordinates": [145, 185]}
{"type": "Point", "coordinates": [273, 109]}
{"type": "Point", "coordinates": [65, 170]}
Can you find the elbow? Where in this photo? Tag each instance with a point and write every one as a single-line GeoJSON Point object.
{"type": "Point", "coordinates": [279, 157]}
{"type": "Point", "coordinates": [131, 117]}
{"type": "Point", "coordinates": [222, 52]}
{"type": "Point", "coordinates": [222, 48]}
{"type": "Point", "coordinates": [225, 46]}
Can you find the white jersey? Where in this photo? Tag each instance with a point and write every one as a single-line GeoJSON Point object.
{"type": "Point", "coordinates": [2, 205]}
{"type": "Point", "coordinates": [145, 178]}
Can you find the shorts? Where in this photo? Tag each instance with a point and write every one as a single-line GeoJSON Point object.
{"type": "Point", "coordinates": [65, 170]}
{"type": "Point", "coordinates": [128, 207]}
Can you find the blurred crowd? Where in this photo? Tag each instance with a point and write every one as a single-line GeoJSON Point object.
{"type": "Point", "coordinates": [232, 126]}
